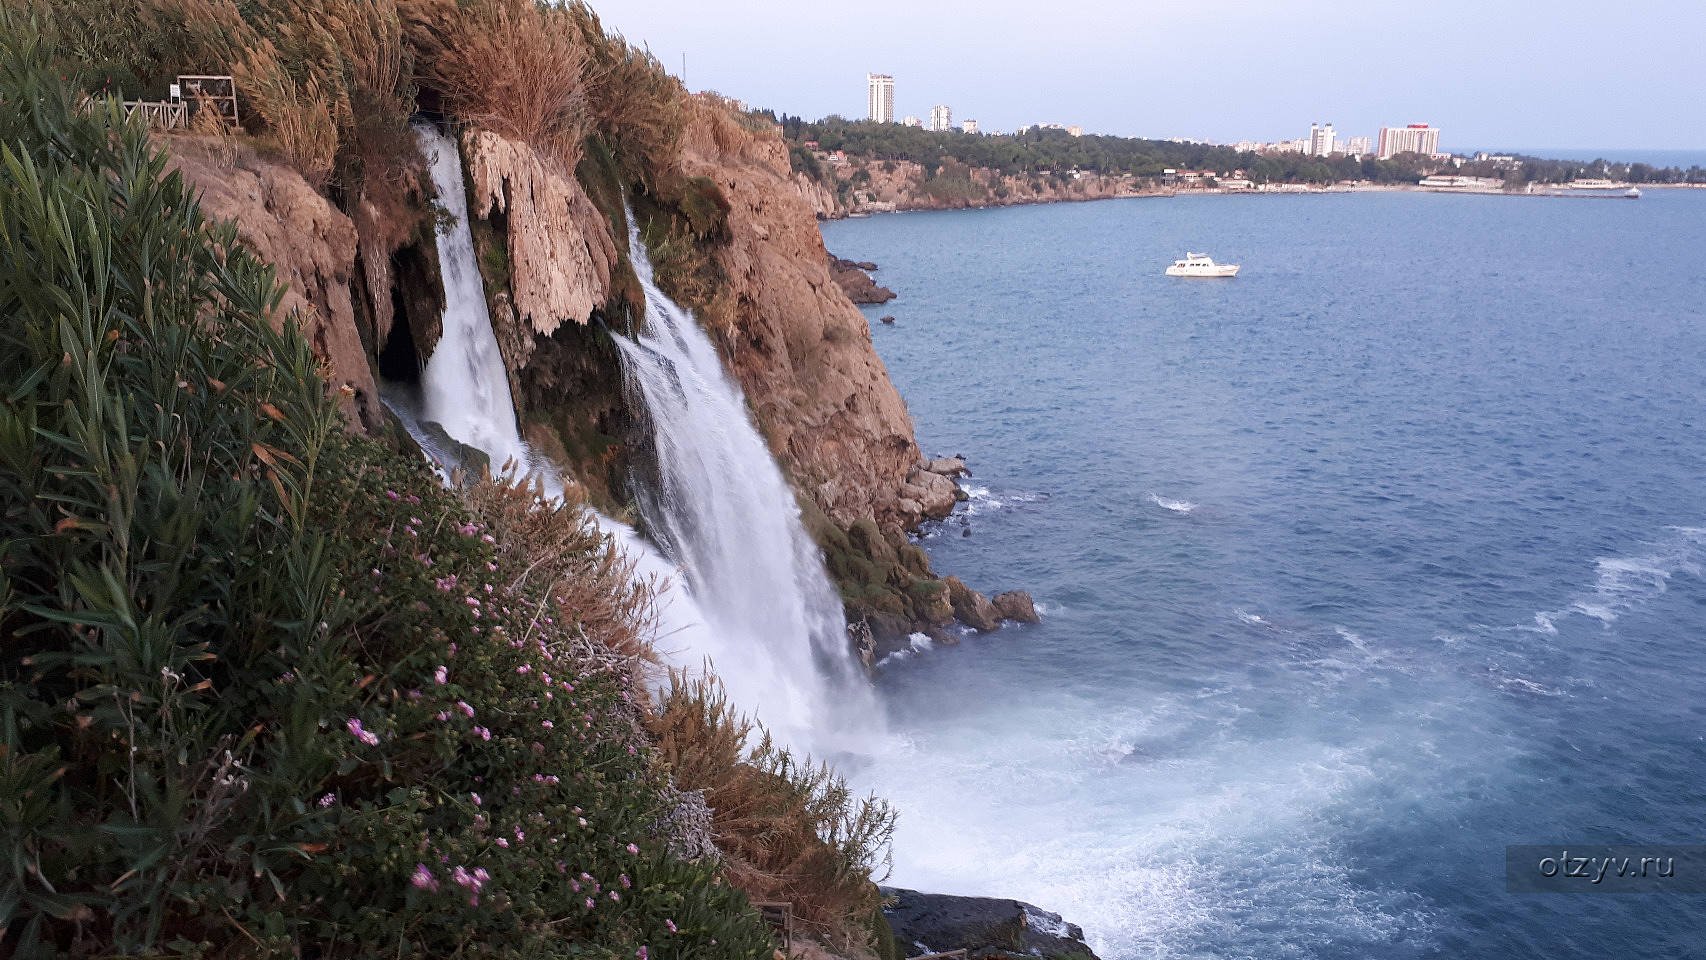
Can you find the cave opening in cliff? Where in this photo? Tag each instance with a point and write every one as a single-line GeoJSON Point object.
{"type": "Point", "coordinates": [399, 359]}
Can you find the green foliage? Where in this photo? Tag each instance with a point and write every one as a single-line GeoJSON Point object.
{"type": "Point", "coordinates": [266, 688]}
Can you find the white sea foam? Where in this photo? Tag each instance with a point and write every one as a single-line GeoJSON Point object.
{"type": "Point", "coordinates": [1253, 619]}
{"type": "Point", "coordinates": [1351, 638]}
{"type": "Point", "coordinates": [1623, 583]}
{"type": "Point", "coordinates": [1176, 506]}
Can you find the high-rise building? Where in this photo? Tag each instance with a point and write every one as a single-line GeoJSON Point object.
{"type": "Point", "coordinates": [1321, 140]}
{"type": "Point", "coordinates": [1413, 138]}
{"type": "Point", "coordinates": [1075, 131]}
{"type": "Point", "coordinates": [941, 118]}
{"type": "Point", "coordinates": [1359, 146]}
{"type": "Point", "coordinates": [912, 122]}
{"type": "Point", "coordinates": [969, 126]}
{"type": "Point", "coordinates": [880, 90]}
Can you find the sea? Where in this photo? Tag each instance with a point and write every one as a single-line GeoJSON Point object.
{"type": "Point", "coordinates": [1353, 570]}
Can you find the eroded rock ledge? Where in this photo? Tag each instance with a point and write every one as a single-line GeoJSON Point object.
{"type": "Point", "coordinates": [854, 279]}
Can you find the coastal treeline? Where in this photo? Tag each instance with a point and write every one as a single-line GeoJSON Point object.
{"type": "Point", "coordinates": [268, 686]}
{"type": "Point", "coordinates": [1040, 149]}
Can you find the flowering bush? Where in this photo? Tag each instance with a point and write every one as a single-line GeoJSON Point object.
{"type": "Point", "coordinates": [267, 688]}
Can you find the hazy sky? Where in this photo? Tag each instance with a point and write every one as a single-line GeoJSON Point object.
{"type": "Point", "coordinates": [1489, 73]}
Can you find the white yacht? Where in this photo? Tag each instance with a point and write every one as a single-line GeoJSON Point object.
{"type": "Point", "coordinates": [1201, 265]}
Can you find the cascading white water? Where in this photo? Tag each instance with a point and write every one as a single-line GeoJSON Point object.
{"type": "Point", "coordinates": [464, 387]}
{"type": "Point", "coordinates": [756, 601]}
{"type": "Point", "coordinates": [466, 391]}
{"type": "Point", "coordinates": [722, 509]}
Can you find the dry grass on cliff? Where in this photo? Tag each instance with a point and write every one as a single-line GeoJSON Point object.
{"type": "Point", "coordinates": [635, 105]}
{"type": "Point", "coordinates": [515, 67]}
{"type": "Point", "coordinates": [592, 580]}
{"type": "Point", "coordinates": [788, 830]}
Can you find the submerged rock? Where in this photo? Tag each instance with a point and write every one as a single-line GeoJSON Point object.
{"type": "Point", "coordinates": [983, 926]}
{"type": "Point", "coordinates": [1015, 605]}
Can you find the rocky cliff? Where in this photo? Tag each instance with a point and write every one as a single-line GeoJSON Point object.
{"type": "Point", "coordinates": [852, 186]}
{"type": "Point", "coordinates": [309, 242]}
{"type": "Point", "coordinates": [552, 250]}
{"type": "Point", "coordinates": [803, 352]}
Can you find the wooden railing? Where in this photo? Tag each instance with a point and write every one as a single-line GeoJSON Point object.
{"type": "Point", "coordinates": [162, 115]}
{"type": "Point", "coordinates": [780, 916]}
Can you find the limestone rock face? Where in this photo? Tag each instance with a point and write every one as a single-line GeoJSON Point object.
{"type": "Point", "coordinates": [972, 608]}
{"type": "Point", "coordinates": [802, 352]}
{"type": "Point", "coordinates": [309, 242]}
{"type": "Point", "coordinates": [1015, 605]}
{"type": "Point", "coordinates": [949, 467]}
{"type": "Point", "coordinates": [561, 252]}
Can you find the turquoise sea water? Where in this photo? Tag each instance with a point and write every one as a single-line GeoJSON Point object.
{"type": "Point", "coordinates": [1355, 569]}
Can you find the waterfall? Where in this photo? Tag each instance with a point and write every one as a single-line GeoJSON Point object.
{"type": "Point", "coordinates": [721, 508]}
{"type": "Point", "coordinates": [755, 602]}
{"type": "Point", "coordinates": [465, 388]}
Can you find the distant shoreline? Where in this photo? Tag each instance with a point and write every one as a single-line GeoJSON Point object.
{"type": "Point", "coordinates": [1601, 193]}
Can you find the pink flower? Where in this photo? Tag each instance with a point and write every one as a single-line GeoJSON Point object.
{"type": "Point", "coordinates": [641, 953]}
{"type": "Point", "coordinates": [467, 711]}
{"type": "Point", "coordinates": [503, 843]}
{"type": "Point", "coordinates": [483, 732]}
{"type": "Point", "coordinates": [671, 925]}
{"type": "Point", "coordinates": [476, 798]}
{"type": "Point", "coordinates": [442, 675]}
{"type": "Point", "coordinates": [423, 878]}
{"type": "Point", "coordinates": [391, 493]}
{"type": "Point", "coordinates": [327, 801]}
{"type": "Point", "coordinates": [354, 727]}
{"type": "Point", "coordinates": [614, 896]}
{"type": "Point", "coordinates": [545, 723]}
{"type": "Point", "coordinates": [633, 849]}
{"type": "Point", "coordinates": [625, 884]}
{"type": "Point", "coordinates": [589, 903]}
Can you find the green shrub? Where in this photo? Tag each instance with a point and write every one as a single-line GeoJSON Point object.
{"type": "Point", "coordinates": [267, 688]}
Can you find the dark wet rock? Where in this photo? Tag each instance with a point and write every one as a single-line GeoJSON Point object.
{"type": "Point", "coordinates": [983, 926]}
{"type": "Point", "coordinates": [889, 320]}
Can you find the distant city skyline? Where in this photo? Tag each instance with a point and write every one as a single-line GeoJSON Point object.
{"type": "Point", "coordinates": [1496, 73]}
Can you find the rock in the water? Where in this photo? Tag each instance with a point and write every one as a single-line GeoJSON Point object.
{"type": "Point", "coordinates": [1015, 605]}
{"type": "Point", "coordinates": [888, 320]}
{"type": "Point", "coordinates": [949, 467]}
{"type": "Point", "coordinates": [932, 490]}
{"type": "Point", "coordinates": [983, 926]}
{"type": "Point", "coordinates": [972, 608]}
{"type": "Point", "coordinates": [856, 283]}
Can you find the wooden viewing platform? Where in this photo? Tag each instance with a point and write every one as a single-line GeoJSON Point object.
{"type": "Point", "coordinates": [191, 93]}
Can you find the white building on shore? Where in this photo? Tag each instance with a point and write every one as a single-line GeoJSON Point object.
{"type": "Point", "coordinates": [1321, 140]}
{"type": "Point", "coordinates": [941, 118]}
{"type": "Point", "coordinates": [879, 89]}
{"type": "Point", "coordinates": [969, 126]}
{"type": "Point", "coordinates": [1413, 138]}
